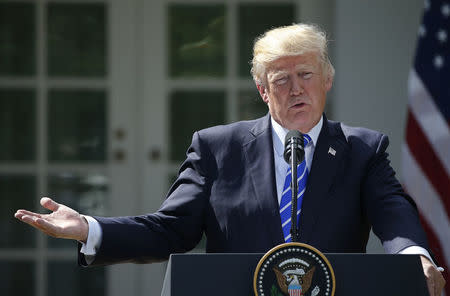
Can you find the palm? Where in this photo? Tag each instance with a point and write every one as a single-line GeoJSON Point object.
{"type": "Point", "coordinates": [63, 222]}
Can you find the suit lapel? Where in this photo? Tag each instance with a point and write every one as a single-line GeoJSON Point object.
{"type": "Point", "coordinates": [258, 150]}
{"type": "Point", "coordinates": [330, 152]}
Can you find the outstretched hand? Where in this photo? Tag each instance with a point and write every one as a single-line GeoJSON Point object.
{"type": "Point", "coordinates": [63, 222]}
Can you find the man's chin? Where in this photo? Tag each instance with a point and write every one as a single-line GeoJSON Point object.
{"type": "Point", "coordinates": [302, 126]}
{"type": "Point", "coordinates": [302, 123]}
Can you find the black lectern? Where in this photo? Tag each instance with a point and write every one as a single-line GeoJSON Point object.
{"type": "Point", "coordinates": [232, 274]}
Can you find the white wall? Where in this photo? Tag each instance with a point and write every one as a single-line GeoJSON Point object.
{"type": "Point", "coordinates": [372, 53]}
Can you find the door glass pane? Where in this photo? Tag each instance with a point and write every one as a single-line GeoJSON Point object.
{"type": "Point", "coordinates": [251, 105]}
{"type": "Point", "coordinates": [17, 125]}
{"type": "Point", "coordinates": [255, 19]}
{"type": "Point", "coordinates": [16, 192]}
{"type": "Point", "coordinates": [77, 126]}
{"type": "Point", "coordinates": [17, 278]}
{"type": "Point", "coordinates": [17, 39]}
{"type": "Point", "coordinates": [191, 111]}
{"type": "Point", "coordinates": [77, 39]}
{"type": "Point", "coordinates": [86, 193]}
{"type": "Point", "coordinates": [196, 40]}
{"type": "Point", "coordinates": [68, 279]}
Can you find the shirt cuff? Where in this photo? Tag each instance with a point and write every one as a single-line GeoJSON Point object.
{"type": "Point", "coordinates": [94, 238]}
{"type": "Point", "coordinates": [416, 250]}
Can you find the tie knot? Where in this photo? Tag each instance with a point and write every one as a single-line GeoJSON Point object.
{"type": "Point", "coordinates": [306, 139]}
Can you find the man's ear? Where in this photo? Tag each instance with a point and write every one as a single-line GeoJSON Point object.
{"type": "Point", "coordinates": [263, 92]}
{"type": "Point", "coordinates": [329, 82]}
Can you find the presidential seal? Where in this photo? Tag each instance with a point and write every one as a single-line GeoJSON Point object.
{"type": "Point", "coordinates": [294, 269]}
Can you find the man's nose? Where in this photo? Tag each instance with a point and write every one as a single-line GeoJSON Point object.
{"type": "Point", "coordinates": [296, 86]}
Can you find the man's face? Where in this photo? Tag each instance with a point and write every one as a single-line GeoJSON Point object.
{"type": "Point", "coordinates": [296, 90]}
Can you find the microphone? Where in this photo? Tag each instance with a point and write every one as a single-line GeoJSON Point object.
{"type": "Point", "coordinates": [294, 142]}
{"type": "Point", "coordinates": [294, 153]}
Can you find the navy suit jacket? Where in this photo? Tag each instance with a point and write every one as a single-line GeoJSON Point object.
{"type": "Point", "coordinates": [226, 189]}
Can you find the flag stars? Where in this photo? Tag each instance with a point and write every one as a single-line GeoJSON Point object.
{"type": "Point", "coordinates": [445, 9]}
{"type": "Point", "coordinates": [422, 31]}
{"type": "Point", "coordinates": [438, 62]}
{"type": "Point", "coordinates": [441, 36]}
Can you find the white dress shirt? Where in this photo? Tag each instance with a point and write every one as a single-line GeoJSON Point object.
{"type": "Point", "coordinates": [89, 249]}
{"type": "Point", "coordinates": [281, 166]}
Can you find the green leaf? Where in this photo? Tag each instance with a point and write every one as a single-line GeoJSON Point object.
{"type": "Point", "coordinates": [275, 292]}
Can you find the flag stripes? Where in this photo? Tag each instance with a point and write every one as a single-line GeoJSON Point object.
{"type": "Point", "coordinates": [429, 117]}
{"type": "Point", "coordinates": [429, 202]}
{"type": "Point", "coordinates": [430, 164]}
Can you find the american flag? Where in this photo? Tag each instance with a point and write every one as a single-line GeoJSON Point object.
{"type": "Point", "coordinates": [426, 151]}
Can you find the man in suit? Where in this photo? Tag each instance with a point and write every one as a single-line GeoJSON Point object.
{"type": "Point", "coordinates": [230, 185]}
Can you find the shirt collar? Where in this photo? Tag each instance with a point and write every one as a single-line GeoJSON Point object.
{"type": "Point", "coordinates": [279, 133]}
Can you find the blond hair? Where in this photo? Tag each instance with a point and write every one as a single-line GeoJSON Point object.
{"type": "Point", "coordinates": [289, 41]}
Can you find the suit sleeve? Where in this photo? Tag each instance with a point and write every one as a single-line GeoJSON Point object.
{"type": "Point", "coordinates": [176, 227]}
{"type": "Point", "coordinates": [392, 213]}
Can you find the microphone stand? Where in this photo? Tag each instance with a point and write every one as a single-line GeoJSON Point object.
{"type": "Point", "coordinates": [294, 190]}
{"type": "Point", "coordinates": [293, 154]}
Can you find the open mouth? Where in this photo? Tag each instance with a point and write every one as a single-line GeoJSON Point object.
{"type": "Point", "coordinates": [298, 105]}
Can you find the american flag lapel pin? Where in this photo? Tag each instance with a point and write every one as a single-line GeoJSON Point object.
{"type": "Point", "coordinates": [331, 151]}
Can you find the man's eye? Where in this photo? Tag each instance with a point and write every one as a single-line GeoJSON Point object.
{"type": "Point", "coordinates": [306, 75]}
{"type": "Point", "coordinates": [280, 81]}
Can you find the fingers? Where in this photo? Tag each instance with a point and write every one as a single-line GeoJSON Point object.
{"type": "Point", "coordinates": [45, 202]}
{"type": "Point", "coordinates": [20, 213]}
{"type": "Point", "coordinates": [439, 284]}
{"type": "Point", "coordinates": [430, 285]}
{"type": "Point", "coordinates": [63, 222]}
{"type": "Point", "coordinates": [37, 221]}
{"type": "Point", "coordinates": [49, 204]}
{"type": "Point", "coordinates": [31, 220]}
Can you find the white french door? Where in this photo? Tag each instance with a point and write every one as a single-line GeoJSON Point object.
{"type": "Point", "coordinates": [66, 132]}
{"type": "Point", "coordinates": [98, 103]}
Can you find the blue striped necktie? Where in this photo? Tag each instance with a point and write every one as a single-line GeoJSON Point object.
{"type": "Point", "coordinates": [286, 196]}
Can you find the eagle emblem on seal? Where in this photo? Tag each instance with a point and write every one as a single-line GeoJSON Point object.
{"type": "Point", "coordinates": [294, 276]}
